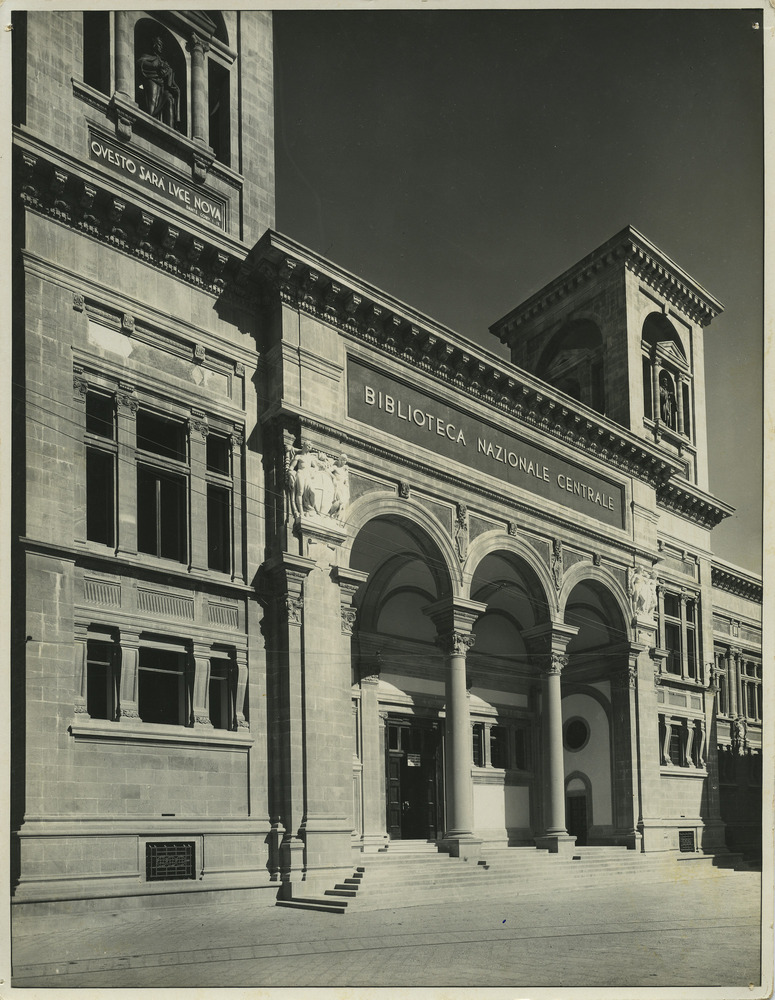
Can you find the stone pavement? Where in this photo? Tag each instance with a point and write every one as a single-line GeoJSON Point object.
{"type": "Point", "coordinates": [702, 933]}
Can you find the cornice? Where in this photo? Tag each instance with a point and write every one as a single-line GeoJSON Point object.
{"type": "Point", "coordinates": [736, 581]}
{"type": "Point", "coordinates": [692, 503]}
{"type": "Point", "coordinates": [79, 197]}
{"type": "Point", "coordinates": [628, 249]}
{"type": "Point", "coordinates": [303, 281]}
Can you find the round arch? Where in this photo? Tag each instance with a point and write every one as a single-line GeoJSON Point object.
{"type": "Point", "coordinates": [492, 542]}
{"type": "Point", "coordinates": [599, 577]}
{"type": "Point", "coordinates": [387, 506]}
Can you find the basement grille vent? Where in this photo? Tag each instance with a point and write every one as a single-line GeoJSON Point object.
{"type": "Point", "coordinates": [166, 861]}
{"type": "Point", "coordinates": [686, 841]}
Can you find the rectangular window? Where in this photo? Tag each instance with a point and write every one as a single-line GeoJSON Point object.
{"type": "Point", "coordinates": [161, 513]}
{"type": "Point", "coordinates": [219, 700]}
{"type": "Point", "coordinates": [499, 746]}
{"type": "Point", "coordinates": [100, 496]}
{"type": "Point", "coordinates": [218, 528]}
{"type": "Point", "coordinates": [478, 744]}
{"type": "Point", "coordinates": [673, 644]}
{"type": "Point", "coordinates": [676, 747]}
{"type": "Point", "coordinates": [96, 50]}
{"type": "Point", "coordinates": [218, 96]}
{"type": "Point", "coordinates": [100, 415]}
{"type": "Point", "coordinates": [218, 454]}
{"type": "Point", "coordinates": [162, 436]}
{"type": "Point", "coordinates": [100, 680]}
{"type": "Point", "coordinates": [161, 687]}
{"type": "Point", "coordinates": [647, 389]}
{"type": "Point", "coordinates": [521, 749]}
{"type": "Point", "coordinates": [751, 700]}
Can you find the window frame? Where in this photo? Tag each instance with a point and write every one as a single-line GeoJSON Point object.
{"type": "Point", "coordinates": [105, 446]}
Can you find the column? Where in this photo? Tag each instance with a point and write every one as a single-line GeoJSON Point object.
{"type": "Point", "coordinates": [731, 684]}
{"type": "Point", "coordinates": [737, 669]}
{"type": "Point", "coordinates": [80, 389]}
{"type": "Point", "coordinates": [199, 111]}
{"type": "Point", "coordinates": [684, 644]}
{"type": "Point", "coordinates": [679, 403]}
{"type": "Point", "coordinates": [548, 644]}
{"type": "Point", "coordinates": [657, 409]}
{"type": "Point", "coordinates": [668, 724]}
{"type": "Point", "coordinates": [454, 619]}
{"type": "Point", "coordinates": [130, 657]}
{"type": "Point", "coordinates": [688, 759]}
{"type": "Point", "coordinates": [237, 687]}
{"type": "Point", "coordinates": [125, 63]}
{"type": "Point", "coordinates": [79, 655]}
{"type": "Point", "coordinates": [197, 531]}
{"type": "Point", "coordinates": [200, 656]}
{"type": "Point", "coordinates": [626, 773]}
{"type": "Point", "coordinates": [126, 471]}
{"type": "Point", "coordinates": [372, 758]}
{"type": "Point", "coordinates": [237, 478]}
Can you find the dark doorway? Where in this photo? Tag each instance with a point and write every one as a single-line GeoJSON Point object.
{"type": "Point", "coordinates": [413, 779]}
{"type": "Point", "coordinates": [576, 816]}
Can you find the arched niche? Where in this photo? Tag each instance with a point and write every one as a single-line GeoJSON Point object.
{"type": "Point", "coordinates": [657, 329]}
{"type": "Point", "coordinates": [573, 362]}
{"type": "Point", "coordinates": [158, 53]}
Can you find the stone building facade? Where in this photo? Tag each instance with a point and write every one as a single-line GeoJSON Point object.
{"type": "Point", "coordinates": [297, 570]}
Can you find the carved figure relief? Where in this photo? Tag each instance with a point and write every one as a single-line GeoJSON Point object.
{"type": "Point", "coordinates": [315, 484]}
{"type": "Point", "coordinates": [461, 532]}
{"type": "Point", "coordinates": [642, 588]}
{"type": "Point", "coordinates": [162, 95]}
{"type": "Point", "coordinates": [557, 563]}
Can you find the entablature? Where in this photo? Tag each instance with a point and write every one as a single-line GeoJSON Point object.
{"type": "Point", "coordinates": [310, 284]}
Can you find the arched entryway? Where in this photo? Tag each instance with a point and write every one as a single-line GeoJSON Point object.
{"type": "Point", "coordinates": [596, 716]}
{"type": "Point", "coordinates": [398, 680]}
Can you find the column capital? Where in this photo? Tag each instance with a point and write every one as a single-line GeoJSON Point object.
{"type": "Point", "coordinates": [454, 615]}
{"type": "Point", "coordinates": [454, 643]}
{"type": "Point", "coordinates": [197, 43]}
{"type": "Point", "coordinates": [349, 580]}
{"type": "Point", "coordinates": [549, 637]}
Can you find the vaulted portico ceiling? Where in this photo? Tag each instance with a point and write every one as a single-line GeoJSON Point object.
{"type": "Point", "coordinates": [310, 283]}
{"type": "Point", "coordinates": [631, 249]}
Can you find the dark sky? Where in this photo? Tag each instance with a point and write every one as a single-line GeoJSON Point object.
{"type": "Point", "coordinates": [459, 160]}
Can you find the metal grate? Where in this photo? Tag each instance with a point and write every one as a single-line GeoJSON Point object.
{"type": "Point", "coordinates": [686, 841]}
{"type": "Point", "coordinates": [168, 860]}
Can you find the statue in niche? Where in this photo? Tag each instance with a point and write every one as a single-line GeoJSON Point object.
{"type": "Point", "coordinates": [162, 95]}
{"type": "Point", "coordinates": [341, 478]}
{"type": "Point", "coordinates": [666, 402]}
{"type": "Point", "coordinates": [643, 591]}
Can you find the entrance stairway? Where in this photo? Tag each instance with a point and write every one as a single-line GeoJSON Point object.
{"type": "Point", "coordinates": [414, 873]}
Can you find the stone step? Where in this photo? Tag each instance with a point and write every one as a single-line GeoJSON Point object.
{"type": "Point", "coordinates": [341, 891]}
{"type": "Point", "coordinates": [313, 903]}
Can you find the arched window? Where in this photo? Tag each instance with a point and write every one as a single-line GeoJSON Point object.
{"type": "Point", "coordinates": [667, 396]}
{"type": "Point", "coordinates": [573, 363]}
{"type": "Point", "coordinates": [160, 74]}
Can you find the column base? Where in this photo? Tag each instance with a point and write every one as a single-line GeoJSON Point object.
{"type": "Point", "coordinates": [556, 843]}
{"type": "Point", "coordinates": [465, 847]}
{"type": "Point", "coordinates": [292, 859]}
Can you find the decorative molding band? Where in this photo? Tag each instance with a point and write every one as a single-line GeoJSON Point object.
{"type": "Point", "coordinates": [100, 592]}
{"type": "Point", "coordinates": [156, 602]}
{"type": "Point", "coordinates": [735, 582]}
{"type": "Point", "coordinates": [415, 340]}
{"type": "Point", "coordinates": [223, 614]}
{"type": "Point", "coordinates": [629, 249]}
{"type": "Point", "coordinates": [693, 504]}
{"type": "Point", "coordinates": [92, 209]}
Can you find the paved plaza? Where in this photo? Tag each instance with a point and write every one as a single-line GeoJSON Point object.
{"type": "Point", "coordinates": [702, 932]}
